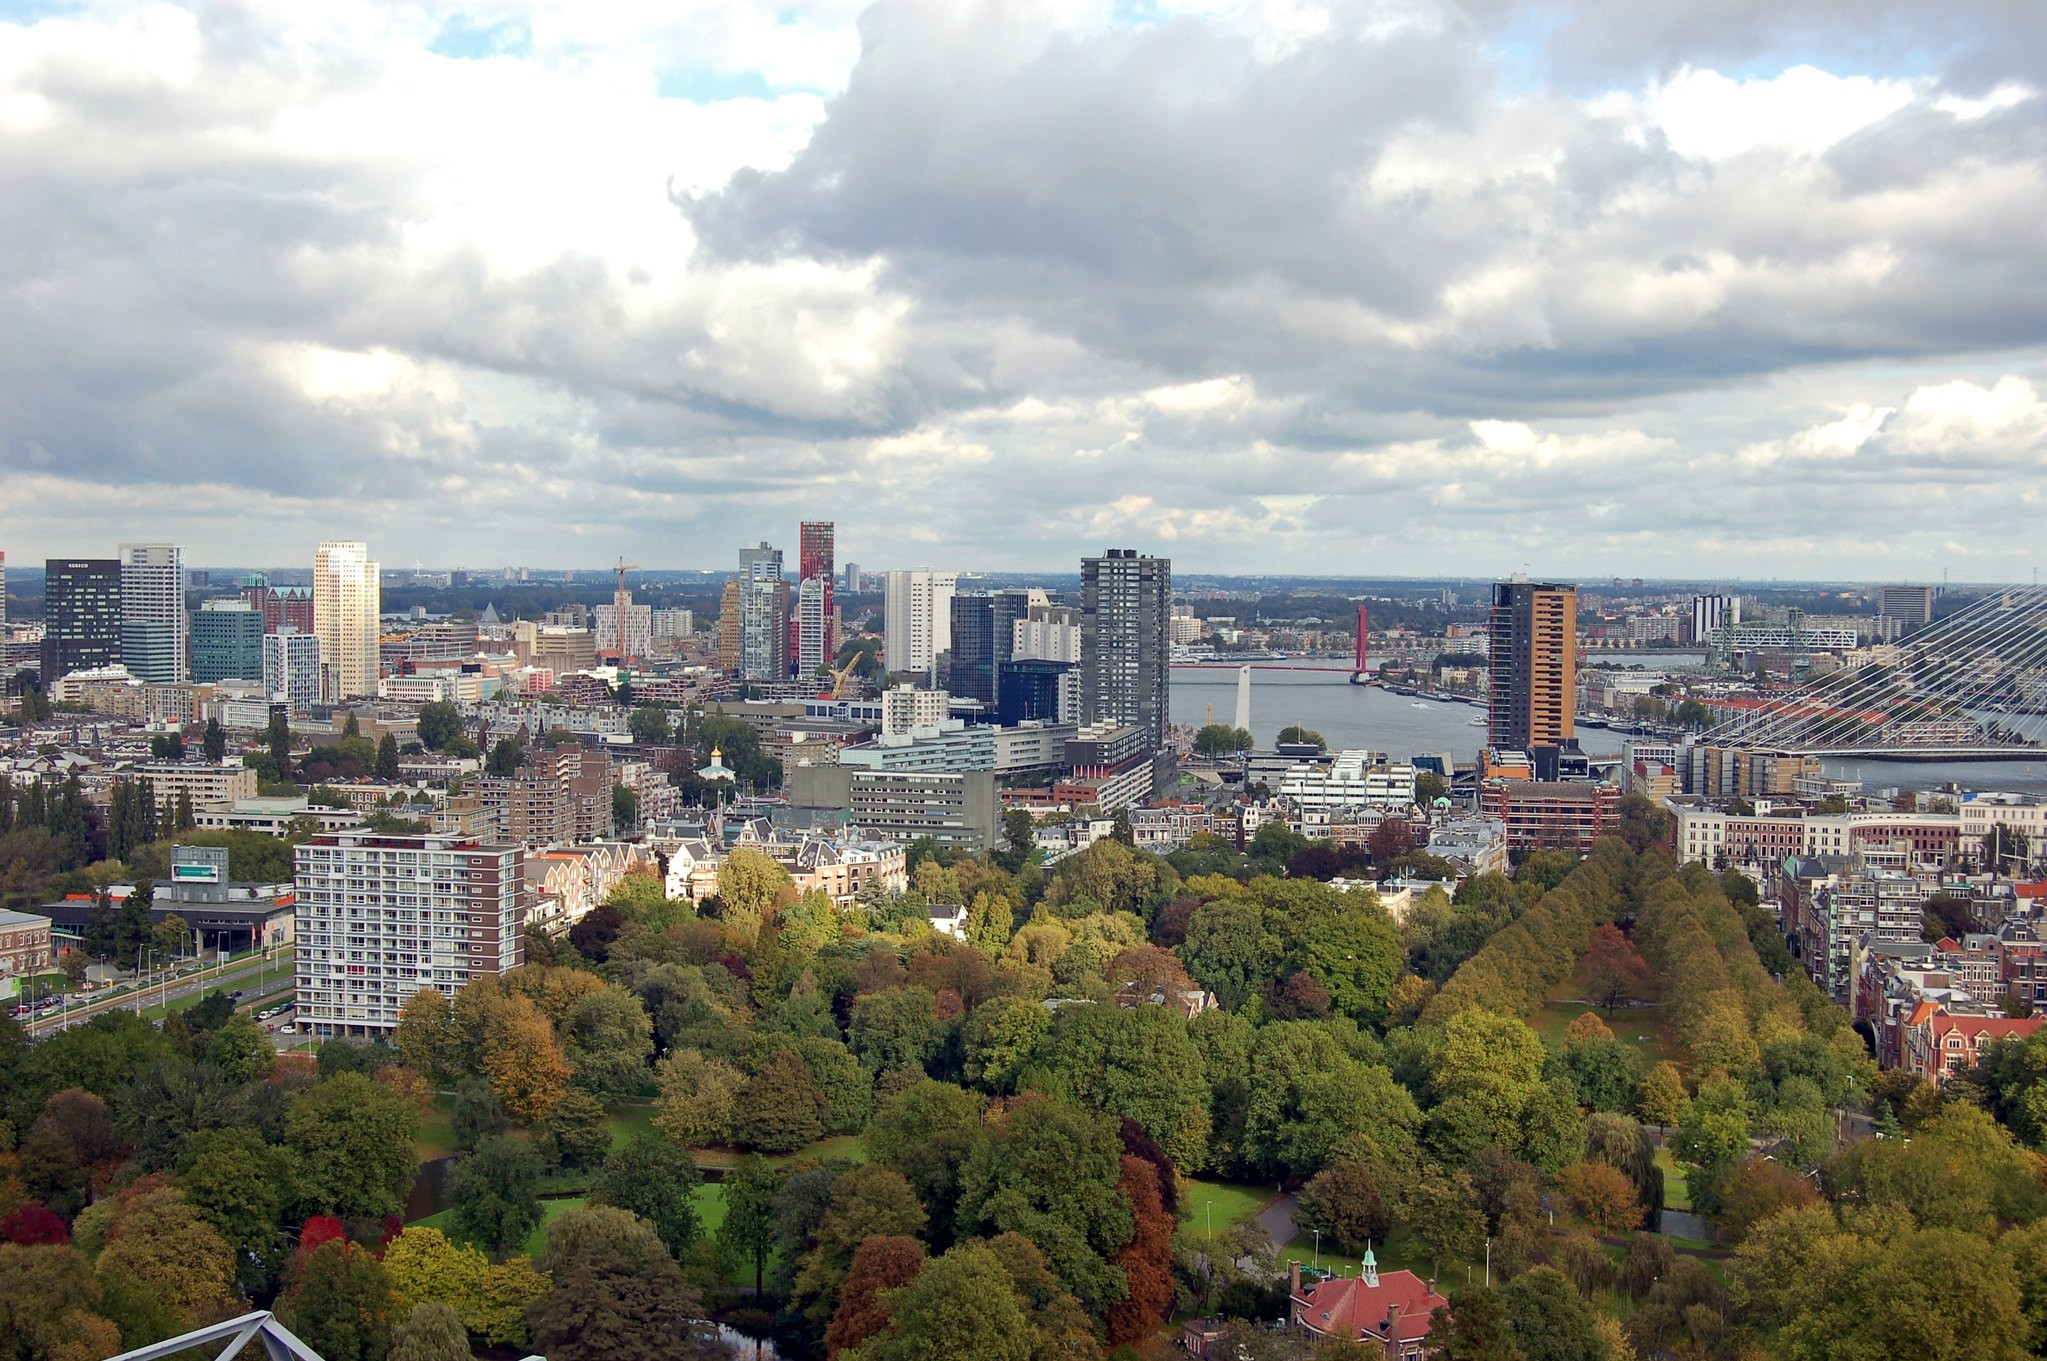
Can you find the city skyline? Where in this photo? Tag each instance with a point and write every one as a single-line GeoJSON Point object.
{"type": "Point", "coordinates": [1472, 282]}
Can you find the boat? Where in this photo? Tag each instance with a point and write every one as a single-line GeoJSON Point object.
{"type": "Point", "coordinates": [1417, 704]}
{"type": "Point", "coordinates": [1475, 722]}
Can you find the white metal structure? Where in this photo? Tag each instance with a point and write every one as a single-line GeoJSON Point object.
{"type": "Point", "coordinates": [261, 1328]}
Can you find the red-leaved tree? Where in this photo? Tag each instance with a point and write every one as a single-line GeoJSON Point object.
{"type": "Point", "coordinates": [1612, 968]}
{"type": "Point", "coordinates": [31, 1225]}
{"type": "Point", "coordinates": [880, 1263]}
{"type": "Point", "coordinates": [1147, 1259]}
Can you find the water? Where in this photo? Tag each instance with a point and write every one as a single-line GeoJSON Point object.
{"type": "Point", "coordinates": [1349, 717]}
{"type": "Point", "coordinates": [2029, 777]}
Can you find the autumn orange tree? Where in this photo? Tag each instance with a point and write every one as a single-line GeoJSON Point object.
{"type": "Point", "coordinates": [1147, 1259]}
{"type": "Point", "coordinates": [881, 1263]}
{"type": "Point", "coordinates": [1613, 970]}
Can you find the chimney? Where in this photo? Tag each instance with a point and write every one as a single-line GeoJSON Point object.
{"type": "Point", "coordinates": [1294, 1279]}
{"type": "Point", "coordinates": [1393, 1329]}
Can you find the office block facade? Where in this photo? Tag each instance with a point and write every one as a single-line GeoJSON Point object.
{"type": "Point", "coordinates": [1534, 653]}
{"type": "Point", "coordinates": [227, 642]}
{"type": "Point", "coordinates": [81, 616]}
{"type": "Point", "coordinates": [1125, 659]}
{"type": "Point", "coordinates": [917, 620]}
{"type": "Point", "coordinates": [381, 917]}
{"type": "Point", "coordinates": [817, 641]}
{"type": "Point", "coordinates": [292, 669]}
{"type": "Point", "coordinates": [347, 607]}
{"type": "Point", "coordinates": [154, 627]}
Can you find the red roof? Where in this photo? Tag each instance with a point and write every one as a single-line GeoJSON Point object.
{"type": "Point", "coordinates": [1993, 1027]}
{"type": "Point", "coordinates": [2033, 890]}
{"type": "Point", "coordinates": [1347, 1307]}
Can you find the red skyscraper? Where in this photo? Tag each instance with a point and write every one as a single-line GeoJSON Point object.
{"type": "Point", "coordinates": [817, 641]}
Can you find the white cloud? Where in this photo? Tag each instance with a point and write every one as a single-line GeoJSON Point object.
{"type": "Point", "coordinates": [1711, 116]}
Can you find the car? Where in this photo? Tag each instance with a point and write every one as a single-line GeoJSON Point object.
{"type": "Point", "coordinates": [23, 1010]}
{"type": "Point", "coordinates": [235, 996]}
{"type": "Point", "coordinates": [287, 1029]}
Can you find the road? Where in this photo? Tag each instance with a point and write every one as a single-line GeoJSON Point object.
{"type": "Point", "coordinates": [191, 985]}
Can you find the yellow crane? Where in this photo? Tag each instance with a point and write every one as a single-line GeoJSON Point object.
{"type": "Point", "coordinates": [842, 674]}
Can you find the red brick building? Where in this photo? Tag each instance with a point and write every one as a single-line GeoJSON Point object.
{"type": "Point", "coordinates": [1391, 1311]}
{"type": "Point", "coordinates": [1541, 816]}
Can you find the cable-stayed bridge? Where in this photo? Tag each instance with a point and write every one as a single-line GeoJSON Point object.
{"type": "Point", "coordinates": [1970, 687]}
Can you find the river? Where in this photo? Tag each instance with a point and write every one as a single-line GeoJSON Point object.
{"type": "Point", "coordinates": [1366, 717]}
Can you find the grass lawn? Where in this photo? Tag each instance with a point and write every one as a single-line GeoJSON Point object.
{"type": "Point", "coordinates": [1675, 1197]}
{"type": "Point", "coordinates": [628, 1120]}
{"type": "Point", "coordinates": [1640, 1025]}
{"type": "Point", "coordinates": [437, 1130]}
{"type": "Point", "coordinates": [1397, 1252]}
{"type": "Point", "coordinates": [1224, 1204]}
{"type": "Point", "coordinates": [710, 1202]}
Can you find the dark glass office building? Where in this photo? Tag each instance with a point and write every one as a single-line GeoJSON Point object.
{"type": "Point", "coordinates": [81, 616]}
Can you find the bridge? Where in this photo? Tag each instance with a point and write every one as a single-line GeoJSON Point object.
{"type": "Point", "coordinates": [1258, 666]}
{"type": "Point", "coordinates": [1970, 687]}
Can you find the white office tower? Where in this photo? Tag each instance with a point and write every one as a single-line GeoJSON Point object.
{"type": "Point", "coordinates": [154, 630]}
{"type": "Point", "coordinates": [1711, 613]}
{"type": "Point", "coordinates": [904, 707]}
{"type": "Point", "coordinates": [347, 604]}
{"type": "Point", "coordinates": [292, 670]}
{"type": "Point", "coordinates": [917, 620]}
{"type": "Point", "coordinates": [813, 628]}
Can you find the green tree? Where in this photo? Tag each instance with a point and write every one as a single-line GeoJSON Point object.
{"type": "Point", "coordinates": [650, 1177]}
{"type": "Point", "coordinates": [340, 1303]}
{"type": "Point", "coordinates": [1548, 1321]}
{"type": "Point", "coordinates": [496, 1193]}
{"type": "Point", "coordinates": [241, 1185]}
{"type": "Point", "coordinates": [1356, 956]}
{"type": "Point", "coordinates": [1138, 1062]}
{"type": "Point", "coordinates": [1473, 1328]}
{"type": "Point", "coordinates": [355, 1143]}
{"type": "Point", "coordinates": [507, 754]}
{"type": "Point", "coordinates": [215, 742]}
{"type": "Point", "coordinates": [867, 1202]}
{"type": "Point", "coordinates": [240, 1049]}
{"type": "Point", "coordinates": [748, 1231]}
{"type": "Point", "coordinates": [1294, 733]}
{"type": "Point", "coordinates": [277, 737]}
{"type": "Point", "coordinates": [1049, 1171]}
{"type": "Point", "coordinates": [431, 1332]}
{"type": "Point", "coordinates": [1220, 739]}
{"type": "Point", "coordinates": [439, 723]}
{"type": "Point", "coordinates": [1230, 950]}
{"type": "Point", "coordinates": [616, 1295]}
{"type": "Point", "coordinates": [963, 1307]}
{"type": "Point", "coordinates": [625, 808]}
{"type": "Point", "coordinates": [650, 726]}
{"type": "Point", "coordinates": [1344, 1201]}
{"type": "Point", "coordinates": [779, 1109]}
{"type": "Point", "coordinates": [578, 1130]}
{"type": "Point", "coordinates": [387, 757]}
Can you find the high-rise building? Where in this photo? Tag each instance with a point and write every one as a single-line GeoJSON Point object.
{"type": "Point", "coordinates": [3, 597]}
{"type": "Point", "coordinates": [817, 632]}
{"type": "Point", "coordinates": [1049, 633]}
{"type": "Point", "coordinates": [1711, 613]}
{"type": "Point", "coordinates": [813, 626]}
{"type": "Point", "coordinates": [227, 641]}
{"type": "Point", "coordinates": [1125, 660]}
{"type": "Point", "coordinates": [855, 583]}
{"type": "Point", "coordinates": [728, 627]}
{"type": "Point", "coordinates": [382, 916]}
{"type": "Point", "coordinates": [348, 600]}
{"type": "Point", "coordinates": [638, 637]}
{"type": "Point", "coordinates": [1901, 609]}
{"type": "Point", "coordinates": [81, 616]}
{"type": "Point", "coordinates": [1534, 651]}
{"type": "Point", "coordinates": [154, 627]}
{"type": "Point", "coordinates": [1031, 688]}
{"type": "Point", "coordinates": [291, 669]}
{"type": "Point", "coordinates": [763, 614]}
{"type": "Point", "coordinates": [917, 620]}
{"type": "Point", "coordinates": [973, 649]}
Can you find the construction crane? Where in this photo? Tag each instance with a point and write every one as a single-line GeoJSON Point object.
{"type": "Point", "coordinates": [619, 601]}
{"type": "Point", "coordinates": [842, 674]}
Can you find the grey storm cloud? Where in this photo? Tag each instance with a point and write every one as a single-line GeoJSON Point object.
{"type": "Point", "coordinates": [1356, 287]}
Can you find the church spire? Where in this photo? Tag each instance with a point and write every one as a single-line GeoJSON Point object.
{"type": "Point", "coordinates": [1371, 1268]}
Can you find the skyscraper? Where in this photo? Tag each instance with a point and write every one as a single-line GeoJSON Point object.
{"type": "Point", "coordinates": [1711, 613]}
{"type": "Point", "coordinates": [917, 620]}
{"type": "Point", "coordinates": [81, 616]}
{"type": "Point", "coordinates": [816, 625]}
{"type": "Point", "coordinates": [347, 607]}
{"type": "Point", "coordinates": [1534, 654]}
{"type": "Point", "coordinates": [1125, 659]}
{"type": "Point", "coordinates": [763, 614]}
{"type": "Point", "coordinates": [155, 632]}
{"type": "Point", "coordinates": [291, 669]}
{"type": "Point", "coordinates": [227, 641]}
{"type": "Point", "coordinates": [972, 674]}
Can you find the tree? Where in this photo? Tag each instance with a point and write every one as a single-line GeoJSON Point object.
{"type": "Point", "coordinates": [1440, 1212]}
{"type": "Point", "coordinates": [1473, 1327]}
{"type": "Point", "coordinates": [1662, 1100]}
{"type": "Point", "coordinates": [1138, 1062]}
{"type": "Point", "coordinates": [695, 1105]}
{"type": "Point", "coordinates": [158, 1239]}
{"type": "Point", "coordinates": [880, 1264]}
{"type": "Point", "coordinates": [1547, 1320]}
{"type": "Point", "coordinates": [1345, 1203]}
{"type": "Point", "coordinates": [749, 1228]}
{"type": "Point", "coordinates": [1613, 970]}
{"type": "Point", "coordinates": [867, 1202]}
{"type": "Point", "coordinates": [240, 1184]}
{"type": "Point", "coordinates": [650, 726]}
{"type": "Point", "coordinates": [617, 1294]}
{"type": "Point", "coordinates": [963, 1307]}
{"type": "Point", "coordinates": [778, 1109]}
{"type": "Point", "coordinates": [340, 1303]}
{"type": "Point", "coordinates": [651, 1178]}
{"type": "Point", "coordinates": [1428, 787]}
{"type": "Point", "coordinates": [1220, 739]}
{"type": "Point", "coordinates": [1049, 1171]}
{"type": "Point", "coordinates": [278, 738]}
{"type": "Point", "coordinates": [496, 1193]}
{"type": "Point", "coordinates": [431, 1332]}
{"type": "Point", "coordinates": [1147, 1259]}
{"type": "Point", "coordinates": [1294, 733]}
{"type": "Point", "coordinates": [355, 1145]}
{"type": "Point", "coordinates": [439, 723]}
{"type": "Point", "coordinates": [1602, 1196]}
{"type": "Point", "coordinates": [525, 1065]}
{"type": "Point", "coordinates": [507, 754]}
{"type": "Point", "coordinates": [625, 808]}
{"type": "Point", "coordinates": [214, 743]}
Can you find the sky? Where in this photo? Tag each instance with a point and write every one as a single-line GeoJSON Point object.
{"type": "Point", "coordinates": [1702, 288]}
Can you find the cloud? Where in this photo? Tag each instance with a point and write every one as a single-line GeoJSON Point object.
{"type": "Point", "coordinates": [1331, 285]}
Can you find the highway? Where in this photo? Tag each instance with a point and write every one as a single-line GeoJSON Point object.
{"type": "Point", "coordinates": [236, 974]}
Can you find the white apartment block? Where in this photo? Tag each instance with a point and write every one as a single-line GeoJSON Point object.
{"type": "Point", "coordinates": [291, 669]}
{"type": "Point", "coordinates": [2018, 812]}
{"type": "Point", "coordinates": [348, 597]}
{"type": "Point", "coordinates": [639, 628]}
{"type": "Point", "coordinates": [904, 707]}
{"type": "Point", "coordinates": [917, 620]}
{"type": "Point", "coordinates": [1352, 780]}
{"type": "Point", "coordinates": [1046, 638]}
{"type": "Point", "coordinates": [380, 917]}
{"type": "Point", "coordinates": [155, 630]}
